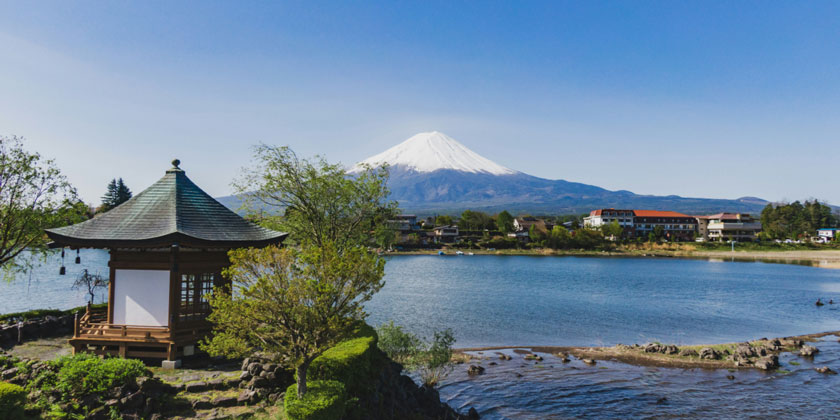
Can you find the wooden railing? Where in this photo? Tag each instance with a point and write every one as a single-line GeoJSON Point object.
{"type": "Point", "coordinates": [93, 325]}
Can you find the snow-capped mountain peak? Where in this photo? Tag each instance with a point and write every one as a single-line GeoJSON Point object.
{"type": "Point", "coordinates": [431, 151]}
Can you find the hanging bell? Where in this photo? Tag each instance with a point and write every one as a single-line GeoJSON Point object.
{"type": "Point", "coordinates": [78, 258]}
{"type": "Point", "coordinates": [62, 271]}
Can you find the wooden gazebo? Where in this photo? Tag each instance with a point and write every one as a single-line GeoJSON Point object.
{"type": "Point", "coordinates": [168, 246]}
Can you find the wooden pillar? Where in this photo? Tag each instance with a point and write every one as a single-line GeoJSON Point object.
{"type": "Point", "coordinates": [174, 287]}
{"type": "Point", "coordinates": [111, 291]}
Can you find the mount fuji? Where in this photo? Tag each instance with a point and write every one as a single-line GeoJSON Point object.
{"type": "Point", "coordinates": [432, 172]}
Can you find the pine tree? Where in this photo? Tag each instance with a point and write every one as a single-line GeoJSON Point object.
{"type": "Point", "coordinates": [123, 193]}
{"type": "Point", "coordinates": [116, 194]}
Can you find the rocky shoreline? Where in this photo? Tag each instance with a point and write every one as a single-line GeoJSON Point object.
{"type": "Point", "coordinates": [758, 354]}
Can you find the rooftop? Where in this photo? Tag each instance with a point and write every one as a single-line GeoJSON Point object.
{"type": "Point", "coordinates": [172, 210]}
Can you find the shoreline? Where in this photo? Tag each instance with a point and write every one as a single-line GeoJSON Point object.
{"type": "Point", "coordinates": [815, 258]}
{"type": "Point", "coordinates": [637, 355]}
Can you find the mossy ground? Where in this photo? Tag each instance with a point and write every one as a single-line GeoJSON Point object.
{"type": "Point", "coordinates": [43, 348]}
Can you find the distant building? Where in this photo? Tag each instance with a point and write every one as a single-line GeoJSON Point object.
{"type": "Point", "coordinates": [724, 227]}
{"type": "Point", "coordinates": [445, 234]}
{"type": "Point", "coordinates": [641, 223]}
{"type": "Point", "coordinates": [406, 226]}
{"type": "Point", "coordinates": [522, 227]}
{"type": "Point", "coordinates": [828, 234]}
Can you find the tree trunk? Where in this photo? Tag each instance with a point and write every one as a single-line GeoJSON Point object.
{"type": "Point", "coordinates": [301, 378]}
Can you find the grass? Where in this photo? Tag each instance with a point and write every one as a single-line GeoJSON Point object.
{"type": "Point", "coordinates": [794, 362]}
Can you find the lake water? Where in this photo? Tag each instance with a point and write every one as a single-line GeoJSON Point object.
{"type": "Point", "coordinates": [528, 301]}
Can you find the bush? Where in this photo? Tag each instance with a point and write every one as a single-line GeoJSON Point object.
{"type": "Point", "coordinates": [435, 362]}
{"type": "Point", "coordinates": [354, 362]}
{"type": "Point", "coordinates": [399, 345]}
{"type": "Point", "coordinates": [86, 374]}
{"type": "Point", "coordinates": [324, 400]}
{"type": "Point", "coordinates": [12, 400]}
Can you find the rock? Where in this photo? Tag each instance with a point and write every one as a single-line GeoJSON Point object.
{"type": "Point", "coordinates": [9, 373]}
{"type": "Point", "coordinates": [133, 401]}
{"type": "Point", "coordinates": [493, 363]}
{"type": "Point", "coordinates": [223, 401]}
{"type": "Point", "coordinates": [472, 414]}
{"type": "Point", "coordinates": [825, 369]}
{"type": "Point", "coordinates": [245, 363]}
{"type": "Point", "coordinates": [245, 376]}
{"type": "Point", "coordinates": [533, 357]}
{"type": "Point", "coordinates": [652, 348]}
{"type": "Point", "coordinates": [245, 396]}
{"type": "Point", "coordinates": [730, 377]}
{"type": "Point", "coordinates": [565, 360]}
{"type": "Point", "coordinates": [808, 351]}
{"type": "Point", "coordinates": [475, 370]}
{"type": "Point", "coordinates": [670, 349]}
{"type": "Point", "coordinates": [254, 369]}
{"type": "Point", "coordinates": [709, 353]}
{"type": "Point", "coordinates": [768, 362]}
{"type": "Point", "coordinates": [745, 351]}
{"type": "Point", "coordinates": [588, 361]}
{"type": "Point", "coordinates": [202, 404]}
{"type": "Point", "coordinates": [688, 353]}
{"type": "Point", "coordinates": [196, 387]}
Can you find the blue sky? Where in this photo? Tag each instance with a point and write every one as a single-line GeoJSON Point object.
{"type": "Point", "coordinates": [708, 99]}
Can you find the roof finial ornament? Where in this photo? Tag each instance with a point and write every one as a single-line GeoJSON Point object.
{"type": "Point", "coordinates": [175, 163]}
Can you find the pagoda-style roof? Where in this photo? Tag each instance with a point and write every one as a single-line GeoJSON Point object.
{"type": "Point", "coordinates": [172, 210]}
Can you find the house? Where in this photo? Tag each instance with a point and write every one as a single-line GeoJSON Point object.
{"type": "Point", "coordinates": [602, 217]}
{"type": "Point", "coordinates": [406, 226]}
{"type": "Point", "coordinates": [168, 246]}
{"type": "Point", "coordinates": [724, 227]}
{"type": "Point", "coordinates": [445, 234]}
{"type": "Point", "coordinates": [522, 227]}
{"type": "Point", "coordinates": [828, 234]}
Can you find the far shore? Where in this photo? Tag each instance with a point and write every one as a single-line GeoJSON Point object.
{"type": "Point", "coordinates": [818, 258]}
{"type": "Point", "coordinates": [636, 354]}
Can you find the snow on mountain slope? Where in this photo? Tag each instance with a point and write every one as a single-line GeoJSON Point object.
{"type": "Point", "coordinates": [432, 151]}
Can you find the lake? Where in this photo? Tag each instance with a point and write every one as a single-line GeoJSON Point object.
{"type": "Point", "coordinates": [527, 301]}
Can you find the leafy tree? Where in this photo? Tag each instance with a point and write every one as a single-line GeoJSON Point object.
{"type": "Point", "coordinates": [292, 303]}
{"type": "Point", "coordinates": [559, 238]}
{"type": "Point", "coordinates": [504, 222]}
{"type": "Point", "coordinates": [795, 219]}
{"type": "Point", "coordinates": [321, 203]}
{"type": "Point", "coordinates": [443, 220]}
{"type": "Point", "coordinates": [475, 220]}
{"type": "Point", "coordinates": [34, 196]}
{"type": "Point", "coordinates": [658, 232]}
{"type": "Point", "coordinates": [116, 194]}
{"type": "Point", "coordinates": [612, 230]}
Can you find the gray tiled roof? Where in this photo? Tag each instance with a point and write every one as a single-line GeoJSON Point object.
{"type": "Point", "coordinates": [172, 210]}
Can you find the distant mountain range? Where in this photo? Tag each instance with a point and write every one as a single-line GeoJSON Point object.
{"type": "Point", "coordinates": [433, 173]}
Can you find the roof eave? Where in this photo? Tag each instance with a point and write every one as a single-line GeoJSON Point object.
{"type": "Point", "coordinates": [181, 239]}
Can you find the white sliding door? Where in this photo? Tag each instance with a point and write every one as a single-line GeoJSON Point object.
{"type": "Point", "coordinates": [141, 297]}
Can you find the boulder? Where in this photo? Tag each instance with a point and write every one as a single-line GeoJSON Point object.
{"type": "Point", "coordinates": [254, 369]}
{"type": "Point", "coordinates": [808, 351]}
{"type": "Point", "coordinates": [767, 362]}
{"type": "Point", "coordinates": [745, 351]}
{"type": "Point", "coordinates": [652, 348]}
{"type": "Point", "coordinates": [825, 369]}
{"type": "Point", "coordinates": [688, 353]}
{"type": "Point", "coordinates": [709, 353]}
{"type": "Point", "coordinates": [672, 349]}
{"type": "Point", "coordinates": [475, 370]}
{"type": "Point", "coordinates": [224, 401]}
{"type": "Point", "coordinates": [196, 387]}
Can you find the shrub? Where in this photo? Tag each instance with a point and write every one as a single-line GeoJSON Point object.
{"type": "Point", "coordinates": [435, 362]}
{"type": "Point", "coordinates": [399, 345]}
{"type": "Point", "coordinates": [354, 362]}
{"type": "Point", "coordinates": [85, 374]}
{"type": "Point", "coordinates": [12, 400]}
{"type": "Point", "coordinates": [324, 400]}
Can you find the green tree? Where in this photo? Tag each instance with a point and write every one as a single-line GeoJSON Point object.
{"type": "Point", "coordinates": [475, 220]}
{"type": "Point", "coordinates": [443, 220]}
{"type": "Point", "coordinates": [321, 203]}
{"type": "Point", "coordinates": [504, 222]}
{"type": "Point", "coordinates": [612, 230]}
{"type": "Point", "coordinates": [34, 196]}
{"type": "Point", "coordinates": [658, 232]}
{"type": "Point", "coordinates": [292, 303]}
{"type": "Point", "coordinates": [559, 237]}
{"type": "Point", "coordinates": [117, 193]}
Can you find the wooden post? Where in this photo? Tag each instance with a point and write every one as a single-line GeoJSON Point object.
{"type": "Point", "coordinates": [111, 286]}
{"type": "Point", "coordinates": [75, 326]}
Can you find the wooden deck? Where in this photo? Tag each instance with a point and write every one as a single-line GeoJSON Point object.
{"type": "Point", "coordinates": [92, 333]}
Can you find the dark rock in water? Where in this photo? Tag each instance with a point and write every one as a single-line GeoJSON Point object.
{"type": "Point", "coordinates": [709, 353]}
{"type": "Point", "coordinates": [767, 363]}
{"type": "Point", "coordinates": [565, 360]}
{"type": "Point", "coordinates": [662, 400]}
{"type": "Point", "coordinates": [825, 369]}
{"type": "Point", "coordinates": [730, 377]}
{"type": "Point", "coordinates": [493, 363]}
{"type": "Point", "coordinates": [808, 351]}
{"type": "Point", "coordinates": [472, 414]}
{"type": "Point", "coordinates": [475, 370]}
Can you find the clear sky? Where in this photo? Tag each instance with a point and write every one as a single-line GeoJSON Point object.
{"type": "Point", "coordinates": [707, 99]}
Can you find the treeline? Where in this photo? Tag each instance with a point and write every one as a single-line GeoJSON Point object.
{"type": "Point", "coordinates": [796, 220]}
